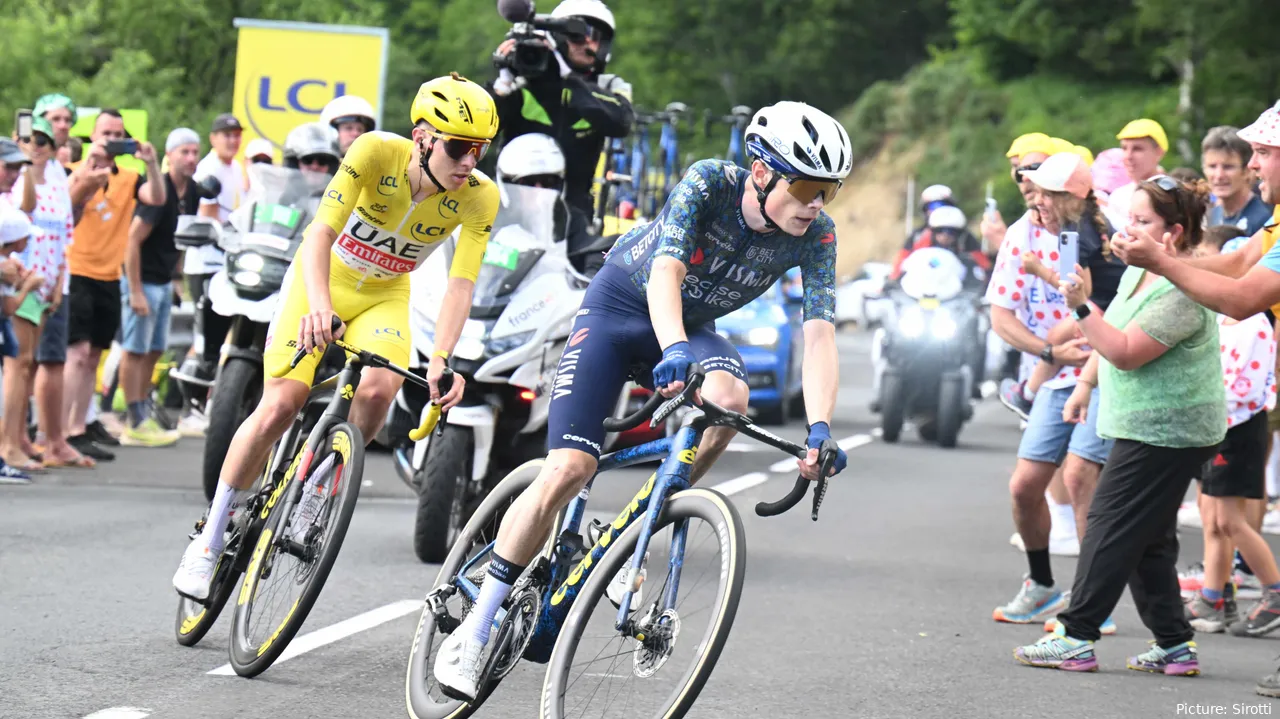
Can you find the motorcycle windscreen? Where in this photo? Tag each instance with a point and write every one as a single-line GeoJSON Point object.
{"type": "Point", "coordinates": [281, 202]}
{"type": "Point", "coordinates": [932, 272]}
{"type": "Point", "coordinates": [523, 231]}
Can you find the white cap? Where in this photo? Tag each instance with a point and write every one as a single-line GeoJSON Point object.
{"type": "Point", "coordinates": [1064, 172]}
{"type": "Point", "coordinates": [259, 146]}
{"type": "Point", "coordinates": [14, 225]}
{"type": "Point", "coordinates": [1265, 130]}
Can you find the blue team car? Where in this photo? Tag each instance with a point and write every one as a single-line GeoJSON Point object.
{"type": "Point", "coordinates": [766, 332]}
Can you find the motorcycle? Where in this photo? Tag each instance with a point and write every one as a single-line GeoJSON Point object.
{"type": "Point", "coordinates": [523, 307]}
{"type": "Point", "coordinates": [930, 349]}
{"type": "Point", "coordinates": [260, 240]}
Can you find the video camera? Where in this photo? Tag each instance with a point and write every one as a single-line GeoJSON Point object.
{"type": "Point", "coordinates": [531, 57]}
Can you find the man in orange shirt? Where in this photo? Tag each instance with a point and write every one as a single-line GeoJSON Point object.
{"type": "Point", "coordinates": [105, 196]}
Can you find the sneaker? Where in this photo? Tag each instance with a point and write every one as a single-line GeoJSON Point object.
{"type": "Point", "coordinates": [1016, 541]}
{"type": "Point", "coordinates": [194, 424]}
{"type": "Point", "coordinates": [1270, 685]}
{"type": "Point", "coordinates": [149, 433]}
{"type": "Point", "coordinates": [458, 666]}
{"type": "Point", "coordinates": [1211, 617]}
{"type": "Point", "coordinates": [1271, 521]}
{"type": "Point", "coordinates": [86, 446]}
{"type": "Point", "coordinates": [1191, 580]}
{"type": "Point", "coordinates": [1054, 651]}
{"type": "Point", "coordinates": [1053, 626]}
{"type": "Point", "coordinates": [1179, 661]}
{"type": "Point", "coordinates": [195, 573]}
{"type": "Point", "coordinates": [99, 432]}
{"type": "Point", "coordinates": [1011, 397]}
{"type": "Point", "coordinates": [1189, 516]}
{"type": "Point", "coordinates": [618, 586]}
{"type": "Point", "coordinates": [1264, 618]}
{"type": "Point", "coordinates": [1032, 604]}
{"type": "Point", "coordinates": [1063, 545]}
{"type": "Point", "coordinates": [13, 475]}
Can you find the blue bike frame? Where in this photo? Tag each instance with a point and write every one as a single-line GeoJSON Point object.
{"type": "Point", "coordinates": [672, 476]}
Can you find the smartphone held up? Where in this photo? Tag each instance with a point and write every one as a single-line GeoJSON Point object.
{"type": "Point", "coordinates": [1068, 254]}
{"type": "Point", "coordinates": [122, 147]}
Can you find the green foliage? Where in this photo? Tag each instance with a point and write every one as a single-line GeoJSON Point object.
{"type": "Point", "coordinates": [968, 120]}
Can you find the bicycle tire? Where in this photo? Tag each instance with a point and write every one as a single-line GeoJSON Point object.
{"type": "Point", "coordinates": [704, 504]}
{"type": "Point", "coordinates": [250, 661]}
{"type": "Point", "coordinates": [236, 394]}
{"type": "Point", "coordinates": [418, 700]}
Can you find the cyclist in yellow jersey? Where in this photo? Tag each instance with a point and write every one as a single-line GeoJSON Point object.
{"type": "Point", "coordinates": [391, 204]}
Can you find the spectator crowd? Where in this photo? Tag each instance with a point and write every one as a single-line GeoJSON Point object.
{"type": "Point", "coordinates": [90, 276]}
{"type": "Point", "coordinates": [1147, 367]}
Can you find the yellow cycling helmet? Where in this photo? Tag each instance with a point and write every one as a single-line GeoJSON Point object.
{"type": "Point", "coordinates": [454, 105]}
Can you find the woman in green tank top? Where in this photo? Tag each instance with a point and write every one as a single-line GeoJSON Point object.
{"type": "Point", "coordinates": [1156, 363]}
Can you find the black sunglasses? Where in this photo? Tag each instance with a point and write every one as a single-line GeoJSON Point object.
{"type": "Point", "coordinates": [41, 140]}
{"type": "Point", "coordinates": [1017, 174]}
{"type": "Point", "coordinates": [549, 182]}
{"type": "Point", "coordinates": [316, 160]}
{"type": "Point", "coordinates": [261, 160]}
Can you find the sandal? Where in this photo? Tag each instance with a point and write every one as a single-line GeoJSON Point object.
{"type": "Point", "coordinates": [80, 462]}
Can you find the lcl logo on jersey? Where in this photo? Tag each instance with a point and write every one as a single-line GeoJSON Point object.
{"type": "Point", "coordinates": [421, 232]}
{"type": "Point", "coordinates": [450, 204]}
{"type": "Point", "coordinates": [388, 185]}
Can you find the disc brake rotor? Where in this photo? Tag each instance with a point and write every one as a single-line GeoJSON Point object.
{"type": "Point", "coordinates": [655, 649]}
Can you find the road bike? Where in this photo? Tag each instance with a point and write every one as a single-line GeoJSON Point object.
{"type": "Point", "coordinates": [548, 617]}
{"type": "Point", "coordinates": [738, 119]}
{"type": "Point", "coordinates": [283, 546]}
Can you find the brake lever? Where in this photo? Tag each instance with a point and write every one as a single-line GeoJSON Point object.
{"type": "Point", "coordinates": [694, 376]}
{"type": "Point", "coordinates": [828, 452]}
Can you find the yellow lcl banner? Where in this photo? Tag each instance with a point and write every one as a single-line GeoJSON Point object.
{"type": "Point", "coordinates": [286, 72]}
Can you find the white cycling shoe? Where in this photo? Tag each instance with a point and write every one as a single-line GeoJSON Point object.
{"type": "Point", "coordinates": [458, 665]}
{"type": "Point", "coordinates": [195, 573]}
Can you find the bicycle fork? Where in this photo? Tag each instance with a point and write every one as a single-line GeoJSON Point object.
{"type": "Point", "coordinates": [673, 476]}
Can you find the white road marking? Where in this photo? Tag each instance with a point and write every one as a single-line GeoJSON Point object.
{"type": "Point", "coordinates": [120, 713]}
{"type": "Point", "coordinates": [854, 442]}
{"type": "Point", "coordinates": [336, 632]}
{"type": "Point", "coordinates": [737, 484]}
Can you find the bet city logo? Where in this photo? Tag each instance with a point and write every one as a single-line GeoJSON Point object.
{"type": "Point", "coordinates": [307, 96]}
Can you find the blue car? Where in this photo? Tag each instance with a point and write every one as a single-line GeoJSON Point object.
{"type": "Point", "coordinates": [767, 334]}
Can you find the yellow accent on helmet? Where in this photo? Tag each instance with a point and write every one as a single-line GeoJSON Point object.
{"type": "Point", "coordinates": [454, 105]}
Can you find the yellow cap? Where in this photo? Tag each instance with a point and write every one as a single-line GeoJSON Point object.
{"type": "Point", "coordinates": [1060, 145]}
{"type": "Point", "coordinates": [1139, 129]}
{"type": "Point", "coordinates": [1028, 143]}
{"type": "Point", "coordinates": [1083, 152]}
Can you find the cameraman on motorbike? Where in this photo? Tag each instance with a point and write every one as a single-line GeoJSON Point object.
{"type": "Point", "coordinates": [945, 228]}
{"type": "Point", "coordinates": [553, 84]}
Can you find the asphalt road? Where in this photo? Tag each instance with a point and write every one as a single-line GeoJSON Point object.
{"type": "Point", "coordinates": [881, 609]}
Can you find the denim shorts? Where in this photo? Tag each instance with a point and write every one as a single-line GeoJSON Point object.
{"type": "Point", "coordinates": [1048, 438]}
{"type": "Point", "coordinates": [140, 335]}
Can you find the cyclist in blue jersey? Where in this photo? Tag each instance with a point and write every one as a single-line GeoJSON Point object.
{"type": "Point", "coordinates": [723, 237]}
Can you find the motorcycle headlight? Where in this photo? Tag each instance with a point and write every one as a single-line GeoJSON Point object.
{"type": "Point", "coordinates": [762, 336]}
{"type": "Point", "coordinates": [245, 278]}
{"type": "Point", "coordinates": [943, 326]}
{"type": "Point", "coordinates": [250, 261]}
{"type": "Point", "coordinates": [506, 344]}
{"type": "Point", "coordinates": [911, 324]}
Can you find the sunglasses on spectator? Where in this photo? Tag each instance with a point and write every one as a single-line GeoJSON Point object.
{"type": "Point", "coordinates": [1166, 183]}
{"type": "Point", "coordinates": [457, 147]}
{"type": "Point", "coordinates": [549, 182]}
{"type": "Point", "coordinates": [41, 140]}
{"type": "Point", "coordinates": [315, 160]}
{"type": "Point", "coordinates": [1017, 174]}
{"type": "Point", "coordinates": [261, 160]}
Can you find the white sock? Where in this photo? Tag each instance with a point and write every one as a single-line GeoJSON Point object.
{"type": "Point", "coordinates": [219, 512]}
{"type": "Point", "coordinates": [91, 414]}
{"type": "Point", "coordinates": [1027, 394]}
{"type": "Point", "coordinates": [480, 621]}
{"type": "Point", "coordinates": [1273, 470]}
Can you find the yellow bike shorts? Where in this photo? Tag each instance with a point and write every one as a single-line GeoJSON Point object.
{"type": "Point", "coordinates": [376, 316]}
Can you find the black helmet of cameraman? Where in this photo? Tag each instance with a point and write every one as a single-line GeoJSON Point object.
{"type": "Point", "coordinates": [600, 26]}
{"type": "Point", "coordinates": [312, 144]}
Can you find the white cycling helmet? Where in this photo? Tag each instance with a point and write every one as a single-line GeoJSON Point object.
{"type": "Point", "coordinates": [595, 13]}
{"type": "Point", "coordinates": [798, 139]}
{"type": "Point", "coordinates": [349, 108]}
{"type": "Point", "coordinates": [947, 218]}
{"type": "Point", "coordinates": [530, 155]}
{"type": "Point", "coordinates": [935, 193]}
